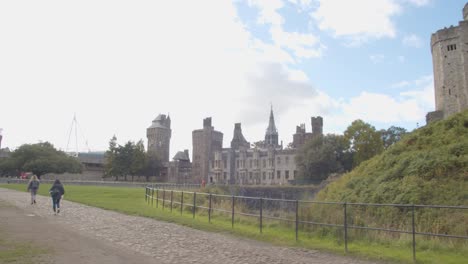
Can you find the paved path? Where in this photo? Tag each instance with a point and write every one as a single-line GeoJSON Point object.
{"type": "Point", "coordinates": [165, 242]}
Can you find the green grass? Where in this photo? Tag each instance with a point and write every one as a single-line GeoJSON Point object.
{"type": "Point", "coordinates": [131, 201]}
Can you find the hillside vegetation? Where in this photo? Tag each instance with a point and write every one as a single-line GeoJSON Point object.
{"type": "Point", "coordinates": [428, 166]}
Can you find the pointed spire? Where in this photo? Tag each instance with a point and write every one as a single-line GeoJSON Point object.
{"type": "Point", "coordinates": [271, 135]}
{"type": "Point", "coordinates": [271, 130]}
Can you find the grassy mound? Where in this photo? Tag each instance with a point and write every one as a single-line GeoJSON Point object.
{"type": "Point", "coordinates": [428, 166]}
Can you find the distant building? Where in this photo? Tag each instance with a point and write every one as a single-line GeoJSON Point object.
{"type": "Point", "coordinates": [449, 47]}
{"type": "Point", "coordinates": [180, 168]}
{"type": "Point", "coordinates": [265, 164]}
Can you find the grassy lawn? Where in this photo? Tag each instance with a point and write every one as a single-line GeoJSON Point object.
{"type": "Point", "coordinates": [132, 201]}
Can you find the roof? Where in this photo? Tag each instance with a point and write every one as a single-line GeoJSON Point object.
{"type": "Point", "coordinates": [181, 156]}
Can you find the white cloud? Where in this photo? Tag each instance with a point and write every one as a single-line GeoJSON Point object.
{"type": "Point", "coordinates": [359, 19]}
{"type": "Point", "coordinates": [419, 2]}
{"type": "Point", "coordinates": [377, 58]}
{"type": "Point", "coordinates": [303, 45]}
{"type": "Point", "coordinates": [118, 65]}
{"type": "Point", "coordinates": [412, 41]}
{"type": "Point", "coordinates": [268, 11]}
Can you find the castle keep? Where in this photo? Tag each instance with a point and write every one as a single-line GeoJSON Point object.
{"type": "Point", "coordinates": [449, 48]}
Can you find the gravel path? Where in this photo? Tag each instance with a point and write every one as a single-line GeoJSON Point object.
{"type": "Point", "coordinates": [166, 242]}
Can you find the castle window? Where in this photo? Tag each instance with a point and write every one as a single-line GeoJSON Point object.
{"type": "Point", "coordinates": [225, 163]}
{"type": "Point", "coordinates": [250, 174]}
{"type": "Point", "coordinates": [278, 174]}
{"type": "Point", "coordinates": [450, 92]}
{"type": "Point", "coordinates": [225, 175]}
{"type": "Point", "coordinates": [278, 160]}
{"type": "Point", "coordinates": [451, 47]}
{"type": "Point", "coordinates": [264, 163]}
{"type": "Point", "coordinates": [295, 174]}
{"type": "Point", "coordinates": [264, 175]}
{"type": "Point", "coordinates": [287, 160]}
{"type": "Point", "coordinates": [286, 174]}
{"type": "Point", "coordinates": [250, 163]}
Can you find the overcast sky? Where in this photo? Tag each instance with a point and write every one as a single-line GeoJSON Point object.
{"type": "Point", "coordinates": [118, 64]}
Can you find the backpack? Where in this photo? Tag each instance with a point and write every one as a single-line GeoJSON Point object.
{"type": "Point", "coordinates": [34, 185]}
{"type": "Point", "coordinates": [55, 192]}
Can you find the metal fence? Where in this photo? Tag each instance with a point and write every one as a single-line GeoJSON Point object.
{"type": "Point", "coordinates": [292, 212]}
{"type": "Point", "coordinates": [108, 183]}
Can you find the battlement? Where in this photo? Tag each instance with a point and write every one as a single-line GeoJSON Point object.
{"type": "Point", "coordinates": [444, 34]}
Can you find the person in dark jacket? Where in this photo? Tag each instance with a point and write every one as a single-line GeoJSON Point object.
{"type": "Point", "coordinates": [33, 186]}
{"type": "Point", "coordinates": [56, 192]}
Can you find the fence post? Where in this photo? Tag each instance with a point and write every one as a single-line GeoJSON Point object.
{"type": "Point", "coordinates": [164, 198]}
{"type": "Point", "coordinates": [146, 194]}
{"type": "Point", "coordinates": [345, 228]}
{"type": "Point", "coordinates": [194, 203]}
{"type": "Point", "coordinates": [297, 218]}
{"type": "Point", "coordinates": [414, 233]}
{"type": "Point", "coordinates": [152, 196]}
{"type": "Point", "coordinates": [209, 210]}
{"type": "Point", "coordinates": [157, 197]}
{"type": "Point", "coordinates": [261, 214]}
{"type": "Point", "coordinates": [171, 200]}
{"type": "Point", "coordinates": [232, 217]}
{"type": "Point", "coordinates": [182, 203]}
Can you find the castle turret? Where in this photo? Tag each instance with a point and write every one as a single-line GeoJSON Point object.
{"type": "Point", "coordinates": [159, 137]}
{"type": "Point", "coordinates": [317, 125]}
{"type": "Point", "coordinates": [205, 143]}
{"type": "Point", "coordinates": [450, 62]}
{"type": "Point", "coordinates": [238, 140]}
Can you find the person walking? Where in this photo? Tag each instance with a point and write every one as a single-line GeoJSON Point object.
{"type": "Point", "coordinates": [33, 186]}
{"type": "Point", "coordinates": [56, 192]}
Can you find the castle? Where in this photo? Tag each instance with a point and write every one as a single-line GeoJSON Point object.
{"type": "Point", "coordinates": [449, 48]}
{"type": "Point", "coordinates": [263, 163]}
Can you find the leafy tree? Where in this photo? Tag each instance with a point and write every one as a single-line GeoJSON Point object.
{"type": "Point", "coordinates": [130, 159]}
{"type": "Point", "coordinates": [110, 159]}
{"type": "Point", "coordinates": [321, 156]}
{"type": "Point", "coordinates": [392, 135]}
{"type": "Point", "coordinates": [364, 141]}
{"type": "Point", "coordinates": [40, 159]}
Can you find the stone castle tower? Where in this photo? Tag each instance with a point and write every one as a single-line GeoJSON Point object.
{"type": "Point", "coordinates": [205, 143]}
{"type": "Point", "coordinates": [159, 137]}
{"type": "Point", "coordinates": [449, 48]}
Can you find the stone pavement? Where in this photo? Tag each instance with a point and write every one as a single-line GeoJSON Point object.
{"type": "Point", "coordinates": [167, 242]}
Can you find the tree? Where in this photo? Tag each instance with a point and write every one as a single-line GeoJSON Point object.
{"type": "Point", "coordinates": [129, 159]}
{"type": "Point", "coordinates": [392, 135]}
{"type": "Point", "coordinates": [321, 156]}
{"type": "Point", "coordinates": [40, 159]}
{"type": "Point", "coordinates": [364, 141]}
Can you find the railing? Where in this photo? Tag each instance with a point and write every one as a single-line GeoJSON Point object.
{"type": "Point", "coordinates": [181, 186]}
{"type": "Point", "coordinates": [290, 211]}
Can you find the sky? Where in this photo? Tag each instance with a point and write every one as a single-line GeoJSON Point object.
{"type": "Point", "coordinates": [116, 65]}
